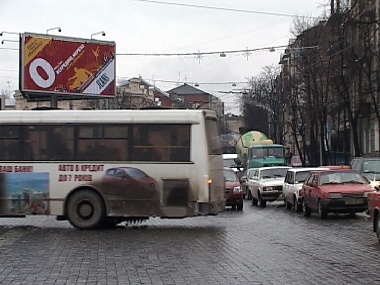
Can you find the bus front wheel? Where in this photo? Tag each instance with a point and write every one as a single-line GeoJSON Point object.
{"type": "Point", "coordinates": [85, 210]}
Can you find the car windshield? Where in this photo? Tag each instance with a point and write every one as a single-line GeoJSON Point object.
{"type": "Point", "coordinates": [273, 173]}
{"type": "Point", "coordinates": [342, 178]}
{"type": "Point", "coordinates": [229, 162]}
{"type": "Point", "coordinates": [135, 173]}
{"type": "Point", "coordinates": [230, 176]}
{"type": "Point", "coordinates": [371, 169]}
{"type": "Point", "coordinates": [371, 166]}
{"type": "Point", "coordinates": [301, 176]}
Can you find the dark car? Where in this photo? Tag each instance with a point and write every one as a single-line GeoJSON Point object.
{"type": "Point", "coordinates": [233, 191]}
{"type": "Point", "coordinates": [335, 190]}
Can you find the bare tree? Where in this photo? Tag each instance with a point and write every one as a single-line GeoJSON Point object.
{"type": "Point", "coordinates": [261, 106]}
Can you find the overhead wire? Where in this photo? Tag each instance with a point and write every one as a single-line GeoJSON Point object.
{"type": "Point", "coordinates": [223, 9]}
{"type": "Point", "coordinates": [199, 53]}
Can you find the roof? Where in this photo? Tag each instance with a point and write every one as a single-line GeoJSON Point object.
{"type": "Point", "coordinates": [332, 170]}
{"type": "Point", "coordinates": [186, 89]}
{"type": "Point", "coordinates": [229, 155]}
{"type": "Point", "coordinates": [299, 169]}
{"type": "Point", "coordinates": [124, 83]}
{"type": "Point", "coordinates": [174, 116]}
{"type": "Point", "coordinates": [272, 167]}
{"type": "Point", "coordinates": [366, 158]}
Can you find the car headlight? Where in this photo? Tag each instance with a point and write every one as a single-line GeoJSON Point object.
{"type": "Point", "coordinates": [268, 188]}
{"type": "Point", "coordinates": [335, 195]}
{"type": "Point", "coordinates": [374, 184]}
{"type": "Point", "coordinates": [237, 189]}
{"type": "Point", "coordinates": [365, 194]}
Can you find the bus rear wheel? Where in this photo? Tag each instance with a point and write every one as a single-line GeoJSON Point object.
{"type": "Point", "coordinates": [85, 210]}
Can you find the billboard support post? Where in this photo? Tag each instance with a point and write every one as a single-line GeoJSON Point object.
{"type": "Point", "coordinates": [2, 102]}
{"type": "Point", "coordinates": [53, 101]}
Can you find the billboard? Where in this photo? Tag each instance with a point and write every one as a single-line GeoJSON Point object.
{"type": "Point", "coordinates": [71, 68]}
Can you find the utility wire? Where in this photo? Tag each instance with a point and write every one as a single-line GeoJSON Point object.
{"type": "Point", "coordinates": [224, 9]}
{"type": "Point", "coordinates": [202, 53]}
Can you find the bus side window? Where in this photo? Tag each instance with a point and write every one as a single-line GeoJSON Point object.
{"type": "Point", "coordinates": [59, 146]}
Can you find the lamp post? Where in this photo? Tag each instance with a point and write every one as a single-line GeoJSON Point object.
{"type": "Point", "coordinates": [55, 28]}
{"type": "Point", "coordinates": [8, 33]}
{"type": "Point", "coordinates": [11, 41]}
{"type": "Point", "coordinates": [98, 33]}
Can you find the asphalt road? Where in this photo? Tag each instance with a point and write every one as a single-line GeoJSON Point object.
{"type": "Point", "coordinates": [256, 246]}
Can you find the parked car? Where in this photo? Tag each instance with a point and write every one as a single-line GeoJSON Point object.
{"type": "Point", "coordinates": [335, 190]}
{"type": "Point", "coordinates": [294, 179]}
{"type": "Point", "coordinates": [374, 212]}
{"type": "Point", "coordinates": [229, 160]}
{"type": "Point", "coordinates": [233, 191]}
{"type": "Point", "coordinates": [369, 167]}
{"type": "Point", "coordinates": [265, 183]}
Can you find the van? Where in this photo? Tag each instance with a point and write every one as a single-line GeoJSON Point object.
{"type": "Point", "coordinates": [369, 167]}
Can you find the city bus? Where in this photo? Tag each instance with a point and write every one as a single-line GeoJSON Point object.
{"type": "Point", "coordinates": [98, 168]}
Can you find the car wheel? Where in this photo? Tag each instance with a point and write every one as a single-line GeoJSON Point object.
{"type": "Point", "coordinates": [85, 210]}
{"type": "Point", "coordinates": [254, 201]}
{"type": "Point", "coordinates": [322, 212]}
{"type": "Point", "coordinates": [297, 205]}
{"type": "Point", "coordinates": [240, 206]}
{"type": "Point", "coordinates": [377, 226]}
{"type": "Point", "coordinates": [263, 203]}
{"type": "Point", "coordinates": [288, 205]}
{"type": "Point", "coordinates": [306, 209]}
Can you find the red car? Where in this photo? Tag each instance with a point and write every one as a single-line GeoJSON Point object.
{"type": "Point", "coordinates": [233, 191]}
{"type": "Point", "coordinates": [134, 183]}
{"type": "Point", "coordinates": [374, 210]}
{"type": "Point", "coordinates": [335, 190]}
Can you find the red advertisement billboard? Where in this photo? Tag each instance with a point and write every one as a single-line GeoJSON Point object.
{"type": "Point", "coordinates": [67, 66]}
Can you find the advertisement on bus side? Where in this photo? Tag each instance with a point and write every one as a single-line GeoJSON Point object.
{"type": "Point", "coordinates": [29, 189]}
{"type": "Point", "coordinates": [52, 64]}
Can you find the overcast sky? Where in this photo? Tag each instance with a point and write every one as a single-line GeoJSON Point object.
{"type": "Point", "coordinates": [164, 27]}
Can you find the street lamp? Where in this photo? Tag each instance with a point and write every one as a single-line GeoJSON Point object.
{"type": "Point", "coordinates": [12, 41]}
{"type": "Point", "coordinates": [11, 33]}
{"type": "Point", "coordinates": [98, 33]}
{"type": "Point", "coordinates": [55, 28]}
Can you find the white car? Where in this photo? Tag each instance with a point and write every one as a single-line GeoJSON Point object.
{"type": "Point", "coordinates": [294, 179]}
{"type": "Point", "coordinates": [265, 183]}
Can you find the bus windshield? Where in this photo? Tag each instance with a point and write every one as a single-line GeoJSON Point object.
{"type": "Point", "coordinates": [213, 137]}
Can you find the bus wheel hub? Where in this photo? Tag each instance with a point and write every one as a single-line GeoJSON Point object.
{"type": "Point", "coordinates": [85, 210]}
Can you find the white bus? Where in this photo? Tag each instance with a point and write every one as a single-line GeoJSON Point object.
{"type": "Point", "coordinates": [98, 168]}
